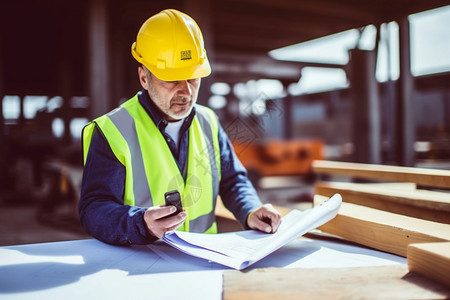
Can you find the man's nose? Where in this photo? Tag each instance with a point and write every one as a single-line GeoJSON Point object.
{"type": "Point", "coordinates": [184, 88]}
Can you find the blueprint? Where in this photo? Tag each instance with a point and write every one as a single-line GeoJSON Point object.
{"type": "Point", "coordinates": [241, 249]}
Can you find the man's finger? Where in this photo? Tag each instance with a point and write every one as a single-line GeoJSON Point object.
{"type": "Point", "coordinates": [262, 225]}
{"type": "Point", "coordinates": [174, 221]}
{"type": "Point", "coordinates": [177, 223]}
{"type": "Point", "coordinates": [272, 217]}
{"type": "Point", "coordinates": [159, 212]}
{"type": "Point", "coordinates": [275, 222]}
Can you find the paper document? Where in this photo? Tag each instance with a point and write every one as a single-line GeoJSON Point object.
{"type": "Point", "coordinates": [241, 249]}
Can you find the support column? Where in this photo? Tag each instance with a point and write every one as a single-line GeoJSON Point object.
{"type": "Point", "coordinates": [3, 173]}
{"type": "Point", "coordinates": [406, 127]}
{"type": "Point", "coordinates": [365, 107]}
{"type": "Point", "coordinates": [99, 59]}
{"type": "Point", "coordinates": [201, 12]}
{"type": "Point", "coordinates": [390, 104]}
{"type": "Point", "coordinates": [446, 105]}
{"type": "Point", "coordinates": [288, 113]}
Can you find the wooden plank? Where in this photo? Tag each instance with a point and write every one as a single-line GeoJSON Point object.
{"type": "Point", "coordinates": [422, 176]}
{"type": "Point", "coordinates": [427, 205]}
{"type": "Point", "coordinates": [431, 260]}
{"type": "Point", "coordinates": [385, 282]}
{"type": "Point", "coordinates": [382, 230]}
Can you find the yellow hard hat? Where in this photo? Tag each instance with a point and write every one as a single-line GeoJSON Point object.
{"type": "Point", "coordinates": [170, 44]}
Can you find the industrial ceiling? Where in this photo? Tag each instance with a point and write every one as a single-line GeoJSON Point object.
{"type": "Point", "coordinates": [50, 38]}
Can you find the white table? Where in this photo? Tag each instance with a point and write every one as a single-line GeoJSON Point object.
{"type": "Point", "coordinates": [90, 269]}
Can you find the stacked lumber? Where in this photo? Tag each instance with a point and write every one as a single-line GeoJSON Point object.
{"type": "Point", "coordinates": [421, 176]}
{"type": "Point", "coordinates": [393, 214]}
{"type": "Point", "coordinates": [382, 282]}
{"type": "Point", "coordinates": [396, 198]}
{"type": "Point", "coordinates": [382, 230]}
{"type": "Point", "coordinates": [431, 260]}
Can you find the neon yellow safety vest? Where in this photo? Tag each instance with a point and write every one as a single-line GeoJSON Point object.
{"type": "Point", "coordinates": [151, 169]}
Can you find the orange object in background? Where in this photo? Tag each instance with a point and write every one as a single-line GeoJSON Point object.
{"type": "Point", "coordinates": [272, 157]}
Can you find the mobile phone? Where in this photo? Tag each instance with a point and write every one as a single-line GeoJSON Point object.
{"type": "Point", "coordinates": [173, 198]}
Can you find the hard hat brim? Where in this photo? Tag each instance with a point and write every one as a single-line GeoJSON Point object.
{"type": "Point", "coordinates": [167, 74]}
{"type": "Point", "coordinates": [193, 72]}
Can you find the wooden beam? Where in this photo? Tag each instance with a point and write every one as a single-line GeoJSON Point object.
{"type": "Point", "coordinates": [421, 176]}
{"type": "Point", "coordinates": [381, 282]}
{"type": "Point", "coordinates": [431, 260]}
{"type": "Point", "coordinates": [422, 204]}
{"type": "Point", "coordinates": [382, 230]}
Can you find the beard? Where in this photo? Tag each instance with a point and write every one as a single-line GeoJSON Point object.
{"type": "Point", "coordinates": [180, 107]}
{"type": "Point", "coordinates": [177, 108]}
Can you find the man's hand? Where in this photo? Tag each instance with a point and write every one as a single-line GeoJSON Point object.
{"type": "Point", "coordinates": [266, 219]}
{"type": "Point", "coordinates": [157, 224]}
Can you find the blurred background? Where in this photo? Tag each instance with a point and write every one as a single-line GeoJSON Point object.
{"type": "Point", "coordinates": [293, 81]}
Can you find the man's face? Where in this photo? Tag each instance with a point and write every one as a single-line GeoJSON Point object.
{"type": "Point", "coordinates": [174, 98]}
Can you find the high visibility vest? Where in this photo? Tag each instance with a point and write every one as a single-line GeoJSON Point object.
{"type": "Point", "coordinates": [151, 169]}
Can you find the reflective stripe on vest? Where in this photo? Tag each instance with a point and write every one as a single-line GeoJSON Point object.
{"type": "Point", "coordinates": [151, 169]}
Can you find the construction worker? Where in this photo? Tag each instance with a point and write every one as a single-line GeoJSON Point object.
{"type": "Point", "coordinates": [160, 141]}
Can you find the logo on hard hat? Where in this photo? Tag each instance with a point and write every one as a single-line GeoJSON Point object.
{"type": "Point", "coordinates": [186, 54]}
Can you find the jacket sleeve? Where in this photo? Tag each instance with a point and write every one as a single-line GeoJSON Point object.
{"type": "Point", "coordinates": [102, 212]}
{"type": "Point", "coordinates": [236, 190]}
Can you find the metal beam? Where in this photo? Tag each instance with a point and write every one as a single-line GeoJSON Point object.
{"type": "Point", "coordinates": [238, 67]}
{"type": "Point", "coordinates": [337, 9]}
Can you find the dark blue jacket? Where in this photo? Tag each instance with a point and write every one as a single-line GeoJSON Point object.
{"type": "Point", "coordinates": [101, 209]}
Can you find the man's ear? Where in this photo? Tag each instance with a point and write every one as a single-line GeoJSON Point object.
{"type": "Point", "coordinates": [143, 78]}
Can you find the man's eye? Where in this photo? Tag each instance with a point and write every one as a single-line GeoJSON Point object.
{"type": "Point", "coordinates": [170, 84]}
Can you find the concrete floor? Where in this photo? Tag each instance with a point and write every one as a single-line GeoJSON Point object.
{"type": "Point", "coordinates": [28, 222]}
